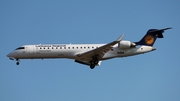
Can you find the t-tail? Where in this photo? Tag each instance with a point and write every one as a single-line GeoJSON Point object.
{"type": "Point", "coordinates": [151, 36]}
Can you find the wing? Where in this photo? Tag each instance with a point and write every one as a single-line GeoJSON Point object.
{"type": "Point", "coordinates": [99, 52]}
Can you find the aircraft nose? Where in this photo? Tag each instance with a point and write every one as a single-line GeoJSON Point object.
{"type": "Point", "coordinates": [10, 54]}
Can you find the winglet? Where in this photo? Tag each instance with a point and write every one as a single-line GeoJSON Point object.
{"type": "Point", "coordinates": [120, 38]}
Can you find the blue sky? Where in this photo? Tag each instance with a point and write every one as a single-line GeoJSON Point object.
{"type": "Point", "coordinates": [153, 76]}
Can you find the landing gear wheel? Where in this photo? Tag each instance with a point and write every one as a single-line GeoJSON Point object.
{"type": "Point", "coordinates": [17, 63]}
{"type": "Point", "coordinates": [92, 66]}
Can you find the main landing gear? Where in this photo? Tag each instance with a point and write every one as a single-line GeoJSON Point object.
{"type": "Point", "coordinates": [17, 63]}
{"type": "Point", "coordinates": [94, 62]}
{"type": "Point", "coordinates": [92, 65]}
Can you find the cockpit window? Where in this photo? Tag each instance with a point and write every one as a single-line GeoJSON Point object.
{"type": "Point", "coordinates": [20, 48]}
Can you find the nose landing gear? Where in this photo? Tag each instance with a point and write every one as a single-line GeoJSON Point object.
{"type": "Point", "coordinates": [17, 63]}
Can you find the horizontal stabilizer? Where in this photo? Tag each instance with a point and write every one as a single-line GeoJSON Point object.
{"type": "Point", "coordinates": [158, 32]}
{"type": "Point", "coordinates": [161, 30]}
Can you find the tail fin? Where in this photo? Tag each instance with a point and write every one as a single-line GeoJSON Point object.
{"type": "Point", "coordinates": [151, 36]}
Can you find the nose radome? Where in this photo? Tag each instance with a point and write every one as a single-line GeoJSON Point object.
{"type": "Point", "coordinates": [10, 54]}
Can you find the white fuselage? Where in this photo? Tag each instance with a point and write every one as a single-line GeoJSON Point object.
{"type": "Point", "coordinates": [89, 54]}
{"type": "Point", "coordinates": [71, 51]}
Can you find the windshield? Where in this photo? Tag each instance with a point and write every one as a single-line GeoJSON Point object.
{"type": "Point", "coordinates": [20, 48]}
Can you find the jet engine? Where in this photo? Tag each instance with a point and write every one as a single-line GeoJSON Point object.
{"type": "Point", "coordinates": [126, 44]}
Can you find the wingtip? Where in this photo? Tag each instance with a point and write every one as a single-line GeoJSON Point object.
{"type": "Point", "coordinates": [120, 38]}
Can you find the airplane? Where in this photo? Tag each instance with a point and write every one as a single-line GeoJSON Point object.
{"type": "Point", "coordinates": [89, 54]}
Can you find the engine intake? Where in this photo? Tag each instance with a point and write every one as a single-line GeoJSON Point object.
{"type": "Point", "coordinates": [126, 44]}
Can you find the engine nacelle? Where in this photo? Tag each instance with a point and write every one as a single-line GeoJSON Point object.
{"type": "Point", "coordinates": [126, 44]}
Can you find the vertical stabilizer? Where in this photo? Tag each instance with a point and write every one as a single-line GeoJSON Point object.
{"type": "Point", "coordinates": [151, 36]}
